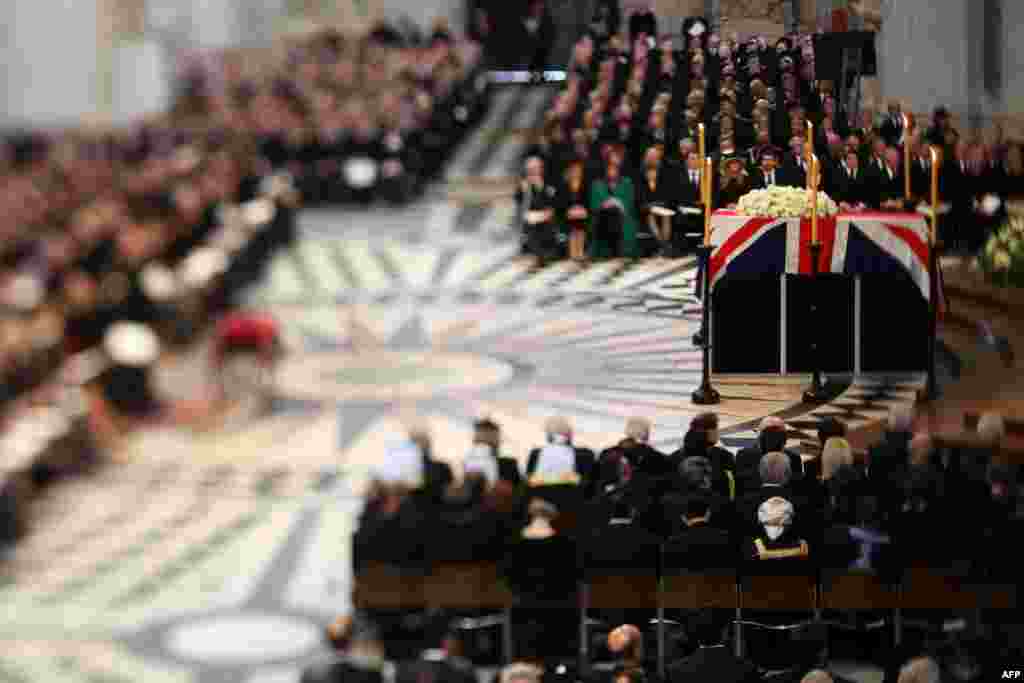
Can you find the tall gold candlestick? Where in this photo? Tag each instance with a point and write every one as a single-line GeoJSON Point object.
{"type": "Point", "coordinates": [935, 192]}
{"type": "Point", "coordinates": [906, 156]}
{"type": "Point", "coordinates": [701, 144]}
{"type": "Point", "coordinates": [706, 184]}
{"type": "Point", "coordinates": [814, 198]}
{"type": "Point", "coordinates": [809, 143]}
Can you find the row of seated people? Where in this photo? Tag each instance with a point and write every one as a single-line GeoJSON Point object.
{"type": "Point", "coordinates": [364, 650]}
{"type": "Point", "coordinates": [604, 213]}
{"type": "Point", "coordinates": [621, 108]}
{"type": "Point", "coordinates": [352, 119]}
{"type": "Point", "coordinates": [710, 508]}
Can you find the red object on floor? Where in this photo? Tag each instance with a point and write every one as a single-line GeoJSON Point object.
{"type": "Point", "coordinates": [248, 331]}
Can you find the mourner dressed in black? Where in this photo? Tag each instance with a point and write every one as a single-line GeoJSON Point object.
{"type": "Point", "coordinates": [573, 202]}
{"type": "Point", "coordinates": [537, 204]}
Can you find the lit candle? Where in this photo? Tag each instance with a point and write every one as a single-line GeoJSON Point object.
{"type": "Point", "coordinates": [701, 150]}
{"type": "Point", "coordinates": [707, 201]}
{"type": "Point", "coordinates": [809, 143]}
{"type": "Point", "coordinates": [813, 180]}
{"type": "Point", "coordinates": [935, 191]}
{"type": "Point", "coordinates": [906, 157]}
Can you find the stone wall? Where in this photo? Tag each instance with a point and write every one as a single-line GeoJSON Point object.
{"type": "Point", "coordinates": [756, 10]}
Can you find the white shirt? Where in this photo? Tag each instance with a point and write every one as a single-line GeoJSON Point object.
{"type": "Point", "coordinates": [695, 177]}
{"type": "Point", "coordinates": [481, 460]}
{"type": "Point", "coordinates": [556, 460]}
{"type": "Point", "coordinates": [403, 464]}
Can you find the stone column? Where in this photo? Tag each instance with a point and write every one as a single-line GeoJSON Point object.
{"type": "Point", "coordinates": [923, 53]}
{"type": "Point", "coordinates": [713, 11]}
{"type": "Point", "coordinates": [808, 14]}
{"type": "Point", "coordinates": [48, 62]}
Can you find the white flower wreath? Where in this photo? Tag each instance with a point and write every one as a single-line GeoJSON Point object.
{"type": "Point", "coordinates": [784, 202]}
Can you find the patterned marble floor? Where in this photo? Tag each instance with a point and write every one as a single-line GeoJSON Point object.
{"type": "Point", "coordinates": [218, 556]}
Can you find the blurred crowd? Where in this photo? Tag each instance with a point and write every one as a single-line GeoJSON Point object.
{"type": "Point", "coordinates": [162, 223]}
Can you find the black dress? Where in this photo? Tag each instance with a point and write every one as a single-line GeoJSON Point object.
{"type": "Point", "coordinates": [543, 575]}
{"type": "Point", "coordinates": [567, 198]}
{"type": "Point", "coordinates": [649, 195]}
{"type": "Point", "coordinates": [730, 193]}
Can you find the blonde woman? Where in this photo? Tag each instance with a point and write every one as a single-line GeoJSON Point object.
{"type": "Point", "coordinates": [836, 454]}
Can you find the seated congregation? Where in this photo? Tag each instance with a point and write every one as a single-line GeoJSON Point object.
{"type": "Point", "coordinates": [581, 541]}
{"type": "Point", "coordinates": [617, 169]}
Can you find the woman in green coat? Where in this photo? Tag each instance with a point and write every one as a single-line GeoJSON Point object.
{"type": "Point", "coordinates": [614, 190]}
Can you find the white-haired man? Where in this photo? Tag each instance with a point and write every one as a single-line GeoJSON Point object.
{"type": "Point", "coordinates": [777, 539]}
{"type": "Point", "coordinates": [536, 200]}
{"type": "Point", "coordinates": [559, 460]}
{"type": "Point", "coordinates": [631, 456]}
{"type": "Point", "coordinates": [920, 670]}
{"type": "Point", "coordinates": [771, 439]}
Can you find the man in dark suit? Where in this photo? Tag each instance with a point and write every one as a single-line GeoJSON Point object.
{"type": "Point", "coordinates": [686, 186]}
{"type": "Point", "coordinates": [891, 129]}
{"type": "Point", "coordinates": [851, 185]}
{"type": "Point", "coordinates": [714, 659]}
{"type": "Point", "coordinates": [794, 168]}
{"type": "Point", "coordinates": [772, 439]}
{"type": "Point", "coordinates": [698, 541]}
{"type": "Point", "coordinates": [443, 665]}
{"type": "Point", "coordinates": [487, 433]}
{"type": "Point", "coordinates": [767, 174]}
{"type": "Point", "coordinates": [887, 188]}
{"type": "Point", "coordinates": [631, 457]}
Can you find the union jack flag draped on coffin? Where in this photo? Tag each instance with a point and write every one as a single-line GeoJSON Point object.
{"type": "Point", "coordinates": [852, 244]}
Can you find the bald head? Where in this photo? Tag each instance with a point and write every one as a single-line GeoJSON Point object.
{"type": "Point", "coordinates": [991, 428]}
{"type": "Point", "coordinates": [627, 642]}
{"type": "Point", "coordinates": [919, 670]}
{"type": "Point", "coordinates": [775, 469]}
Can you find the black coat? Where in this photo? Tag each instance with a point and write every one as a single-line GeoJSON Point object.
{"type": "Point", "coordinates": [632, 457]}
{"type": "Point", "coordinates": [341, 670]}
{"type": "Point", "coordinates": [851, 186]}
{"type": "Point", "coordinates": [436, 670]}
{"type": "Point", "coordinates": [700, 547]}
{"type": "Point", "coordinates": [758, 179]}
{"type": "Point", "coordinates": [542, 570]}
{"type": "Point", "coordinates": [716, 664]}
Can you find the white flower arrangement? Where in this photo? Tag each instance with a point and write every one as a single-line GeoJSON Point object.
{"type": "Point", "coordinates": [1003, 255]}
{"type": "Point", "coordinates": [784, 202]}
